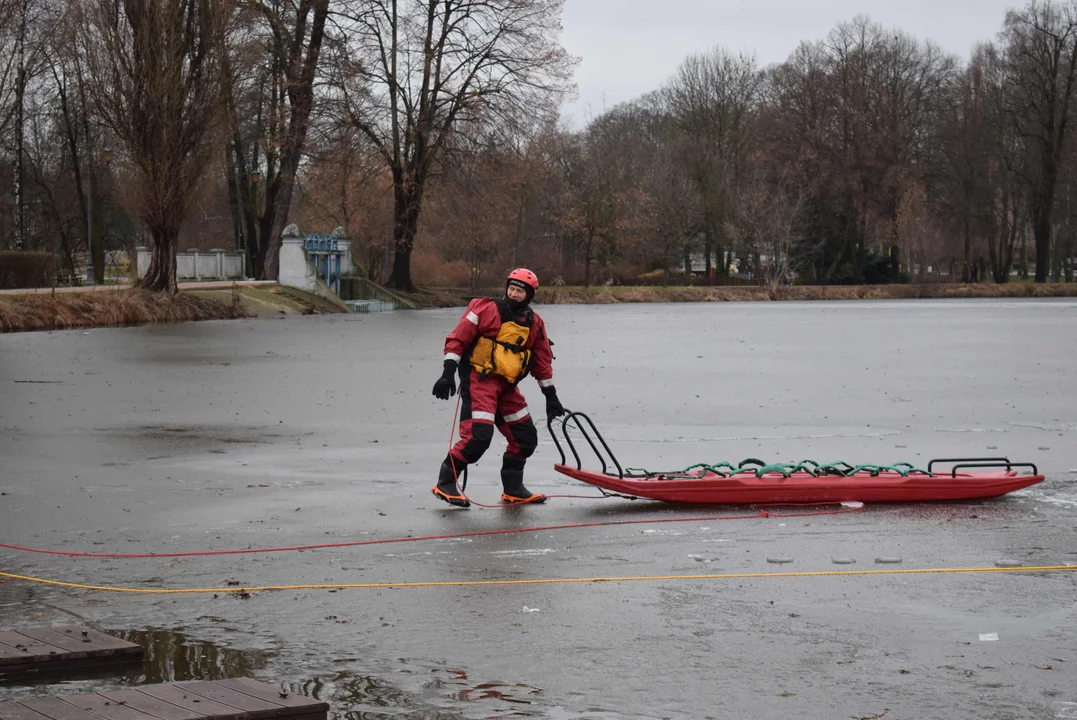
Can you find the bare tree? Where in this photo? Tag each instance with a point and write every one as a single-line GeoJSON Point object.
{"type": "Point", "coordinates": [20, 105]}
{"type": "Point", "coordinates": [285, 98]}
{"type": "Point", "coordinates": [73, 121]}
{"type": "Point", "coordinates": [347, 185]}
{"type": "Point", "coordinates": [857, 122]}
{"type": "Point", "coordinates": [9, 31]}
{"type": "Point", "coordinates": [419, 74]}
{"type": "Point", "coordinates": [530, 185]}
{"type": "Point", "coordinates": [983, 164]}
{"type": "Point", "coordinates": [26, 35]}
{"type": "Point", "coordinates": [157, 84]}
{"type": "Point", "coordinates": [769, 218]}
{"type": "Point", "coordinates": [590, 204]}
{"type": "Point", "coordinates": [672, 216]}
{"type": "Point", "coordinates": [1041, 45]}
{"type": "Point", "coordinates": [603, 210]}
{"type": "Point", "coordinates": [712, 98]}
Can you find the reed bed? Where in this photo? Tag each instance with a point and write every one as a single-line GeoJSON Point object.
{"type": "Point", "coordinates": [63, 311]}
{"type": "Point", "coordinates": [452, 297]}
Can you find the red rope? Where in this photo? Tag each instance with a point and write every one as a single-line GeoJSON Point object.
{"type": "Point", "coordinates": [476, 533]}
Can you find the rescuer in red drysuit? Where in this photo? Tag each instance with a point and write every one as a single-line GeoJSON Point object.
{"type": "Point", "coordinates": [496, 344]}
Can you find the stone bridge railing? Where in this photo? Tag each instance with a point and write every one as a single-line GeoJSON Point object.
{"type": "Point", "coordinates": [200, 265]}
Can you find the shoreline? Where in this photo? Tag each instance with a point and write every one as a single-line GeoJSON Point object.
{"type": "Point", "coordinates": [103, 307]}
{"type": "Point", "coordinates": [603, 295]}
{"type": "Point", "coordinates": [123, 307]}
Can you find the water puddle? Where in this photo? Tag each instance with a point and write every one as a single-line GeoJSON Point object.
{"type": "Point", "coordinates": [448, 693]}
{"type": "Point", "coordinates": [172, 656]}
{"type": "Point", "coordinates": [169, 656]}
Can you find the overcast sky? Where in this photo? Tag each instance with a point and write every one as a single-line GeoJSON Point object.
{"type": "Point", "coordinates": [629, 47]}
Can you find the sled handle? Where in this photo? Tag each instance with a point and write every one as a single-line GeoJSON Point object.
{"type": "Point", "coordinates": [575, 417]}
{"type": "Point", "coordinates": [1009, 466]}
{"type": "Point", "coordinates": [1003, 460]}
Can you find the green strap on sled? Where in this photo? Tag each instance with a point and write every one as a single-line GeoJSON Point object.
{"type": "Point", "coordinates": [759, 468]}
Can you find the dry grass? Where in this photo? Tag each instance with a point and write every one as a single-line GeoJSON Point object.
{"type": "Point", "coordinates": [62, 311]}
{"type": "Point", "coordinates": [617, 294]}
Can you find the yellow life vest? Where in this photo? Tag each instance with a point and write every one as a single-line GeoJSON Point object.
{"type": "Point", "coordinates": [505, 355]}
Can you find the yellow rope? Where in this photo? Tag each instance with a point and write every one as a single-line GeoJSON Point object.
{"type": "Point", "coordinates": [541, 581]}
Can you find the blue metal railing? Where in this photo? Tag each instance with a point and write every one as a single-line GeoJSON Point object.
{"type": "Point", "coordinates": [327, 257]}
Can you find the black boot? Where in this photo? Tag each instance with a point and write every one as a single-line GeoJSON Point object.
{"type": "Point", "coordinates": [447, 489]}
{"type": "Point", "coordinates": [512, 480]}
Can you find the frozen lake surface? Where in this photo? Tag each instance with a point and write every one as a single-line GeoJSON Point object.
{"type": "Point", "coordinates": [263, 433]}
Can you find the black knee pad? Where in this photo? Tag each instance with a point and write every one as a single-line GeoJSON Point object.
{"type": "Point", "coordinates": [481, 436]}
{"type": "Point", "coordinates": [526, 436]}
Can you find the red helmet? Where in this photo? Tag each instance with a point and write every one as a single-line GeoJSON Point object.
{"type": "Point", "coordinates": [525, 276]}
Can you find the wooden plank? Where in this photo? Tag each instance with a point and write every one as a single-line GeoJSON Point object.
{"type": "Point", "coordinates": [78, 640]}
{"type": "Point", "coordinates": [68, 646]}
{"type": "Point", "coordinates": [268, 692]}
{"type": "Point", "coordinates": [104, 641]}
{"type": "Point", "coordinates": [68, 669]}
{"type": "Point", "coordinates": [190, 701]}
{"type": "Point", "coordinates": [88, 638]}
{"type": "Point", "coordinates": [235, 699]}
{"type": "Point", "coordinates": [67, 649]}
{"type": "Point", "coordinates": [10, 655]}
{"type": "Point", "coordinates": [103, 707]}
{"type": "Point", "coordinates": [150, 705]}
{"type": "Point", "coordinates": [12, 710]}
{"type": "Point", "coordinates": [38, 651]}
{"type": "Point", "coordinates": [56, 709]}
{"type": "Point", "coordinates": [256, 708]}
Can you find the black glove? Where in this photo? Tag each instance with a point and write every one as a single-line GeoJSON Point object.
{"type": "Point", "coordinates": [445, 387]}
{"type": "Point", "coordinates": [554, 408]}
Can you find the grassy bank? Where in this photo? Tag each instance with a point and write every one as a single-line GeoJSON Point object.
{"type": "Point", "coordinates": [110, 308]}
{"type": "Point", "coordinates": [63, 311]}
{"type": "Point", "coordinates": [122, 307]}
{"type": "Point", "coordinates": [450, 297]}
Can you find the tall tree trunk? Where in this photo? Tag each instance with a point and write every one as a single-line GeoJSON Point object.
{"type": "Point", "coordinates": [1011, 243]}
{"type": "Point", "coordinates": [297, 58]}
{"type": "Point", "coordinates": [99, 225]}
{"type": "Point", "coordinates": [707, 247]}
{"type": "Point", "coordinates": [587, 258]}
{"type": "Point", "coordinates": [161, 276]}
{"type": "Point", "coordinates": [1041, 233]}
{"type": "Point", "coordinates": [71, 136]}
{"type": "Point", "coordinates": [20, 98]}
{"type": "Point", "coordinates": [273, 225]}
{"type": "Point", "coordinates": [1068, 261]}
{"type": "Point", "coordinates": [1023, 253]}
{"type": "Point", "coordinates": [407, 203]}
{"type": "Point", "coordinates": [240, 183]}
{"type": "Point", "coordinates": [967, 249]}
{"type": "Point", "coordinates": [994, 251]}
{"type": "Point", "coordinates": [232, 155]}
{"type": "Point", "coordinates": [248, 213]}
{"type": "Point", "coordinates": [234, 209]}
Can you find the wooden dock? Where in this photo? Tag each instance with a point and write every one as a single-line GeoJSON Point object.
{"type": "Point", "coordinates": [236, 699]}
{"type": "Point", "coordinates": [29, 653]}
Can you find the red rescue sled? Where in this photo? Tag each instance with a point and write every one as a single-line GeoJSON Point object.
{"type": "Point", "coordinates": [802, 487]}
{"type": "Point", "coordinates": [754, 483]}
